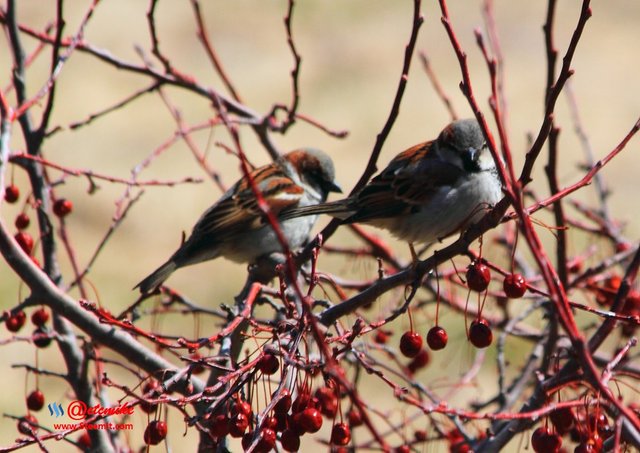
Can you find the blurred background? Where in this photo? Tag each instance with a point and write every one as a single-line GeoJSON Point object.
{"type": "Point", "coordinates": [352, 54]}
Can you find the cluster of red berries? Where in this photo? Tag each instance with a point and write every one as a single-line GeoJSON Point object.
{"type": "Point", "coordinates": [457, 442]}
{"type": "Point", "coordinates": [605, 294]}
{"type": "Point", "coordinates": [35, 400]}
{"type": "Point", "coordinates": [479, 276]}
{"type": "Point", "coordinates": [588, 431]}
{"type": "Point", "coordinates": [61, 208]}
{"type": "Point", "coordinates": [411, 342]}
{"type": "Point", "coordinates": [16, 320]}
{"type": "Point", "coordinates": [289, 420]}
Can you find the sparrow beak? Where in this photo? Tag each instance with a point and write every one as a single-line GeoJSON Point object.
{"type": "Point", "coordinates": [332, 186]}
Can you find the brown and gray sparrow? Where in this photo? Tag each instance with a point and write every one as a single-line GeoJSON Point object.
{"type": "Point", "coordinates": [427, 192]}
{"type": "Point", "coordinates": [236, 228]}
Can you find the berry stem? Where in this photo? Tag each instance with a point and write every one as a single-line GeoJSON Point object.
{"type": "Point", "coordinates": [437, 293]}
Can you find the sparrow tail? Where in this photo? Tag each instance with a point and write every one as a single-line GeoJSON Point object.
{"type": "Point", "coordinates": [337, 209]}
{"type": "Point", "coordinates": [157, 277]}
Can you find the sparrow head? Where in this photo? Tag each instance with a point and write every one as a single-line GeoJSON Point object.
{"type": "Point", "coordinates": [462, 143]}
{"type": "Point", "coordinates": [315, 168]}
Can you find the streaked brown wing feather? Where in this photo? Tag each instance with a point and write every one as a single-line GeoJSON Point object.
{"type": "Point", "coordinates": [240, 212]}
{"type": "Point", "coordinates": [409, 181]}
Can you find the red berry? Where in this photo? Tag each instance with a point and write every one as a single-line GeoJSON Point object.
{"type": "Point", "coordinates": [290, 440]}
{"type": "Point", "coordinates": [22, 221]}
{"type": "Point", "coordinates": [514, 286]}
{"type": "Point", "coordinates": [543, 440]}
{"type": "Point", "coordinates": [302, 401]}
{"type": "Point", "coordinates": [563, 419]}
{"type": "Point", "coordinates": [311, 420]}
{"type": "Point", "coordinates": [40, 317]}
{"type": "Point", "coordinates": [62, 207]}
{"type": "Point", "coordinates": [247, 439]}
{"type": "Point", "coordinates": [268, 364]}
{"type": "Point", "coordinates": [15, 322]}
{"type": "Point", "coordinates": [282, 421]}
{"type": "Point", "coordinates": [41, 337]}
{"type": "Point", "coordinates": [622, 247]}
{"type": "Point", "coordinates": [151, 385]}
{"type": "Point", "coordinates": [25, 241]}
{"type": "Point", "coordinates": [284, 403]}
{"type": "Point", "coordinates": [155, 432]}
{"type": "Point", "coordinates": [11, 194]}
{"type": "Point", "coordinates": [340, 434]}
{"type": "Point", "coordinates": [480, 333]}
{"type": "Point", "coordinates": [84, 441]}
{"type": "Point", "coordinates": [591, 445]}
{"type": "Point", "coordinates": [478, 276]}
{"type": "Point", "coordinates": [420, 361]}
{"type": "Point", "coordinates": [196, 367]}
{"type": "Point", "coordinates": [420, 435]}
{"type": "Point", "coordinates": [267, 440]}
{"type": "Point", "coordinates": [35, 400]}
{"type": "Point", "coordinates": [402, 449]}
{"type": "Point", "coordinates": [355, 417]}
{"type": "Point", "coordinates": [270, 422]}
{"type": "Point", "coordinates": [240, 406]}
{"type": "Point", "coordinates": [28, 424]}
{"type": "Point", "coordinates": [410, 344]}
{"type": "Point", "coordinates": [437, 338]}
{"type": "Point", "coordinates": [238, 425]}
{"type": "Point", "coordinates": [327, 401]}
{"type": "Point", "coordinates": [382, 336]}
{"type": "Point", "coordinates": [219, 425]}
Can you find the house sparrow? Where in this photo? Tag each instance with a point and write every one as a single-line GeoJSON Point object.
{"type": "Point", "coordinates": [427, 192]}
{"type": "Point", "coordinates": [235, 227]}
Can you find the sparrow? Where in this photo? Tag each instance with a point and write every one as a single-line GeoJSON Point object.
{"type": "Point", "coordinates": [426, 193]}
{"type": "Point", "coordinates": [236, 228]}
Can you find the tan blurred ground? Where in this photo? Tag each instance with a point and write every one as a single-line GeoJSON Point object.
{"type": "Point", "coordinates": [352, 52]}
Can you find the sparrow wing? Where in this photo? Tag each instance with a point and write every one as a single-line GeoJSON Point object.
{"type": "Point", "coordinates": [238, 210]}
{"type": "Point", "coordinates": [410, 180]}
